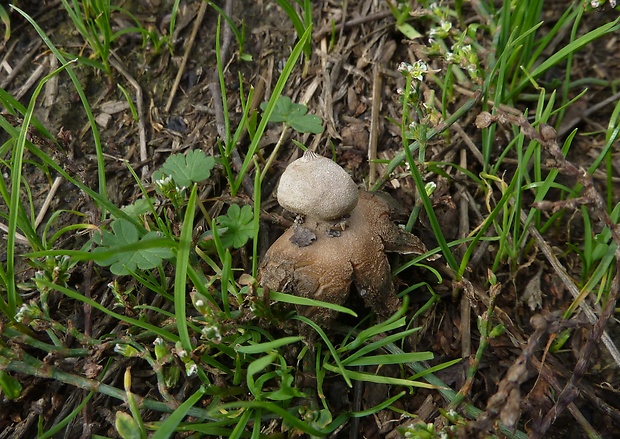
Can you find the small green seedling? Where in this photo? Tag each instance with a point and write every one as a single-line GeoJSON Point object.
{"type": "Point", "coordinates": [184, 170]}
{"type": "Point", "coordinates": [294, 115]}
{"type": "Point", "coordinates": [137, 209]}
{"type": "Point", "coordinates": [238, 225]}
{"type": "Point", "coordinates": [123, 261]}
{"type": "Point", "coordinates": [234, 229]}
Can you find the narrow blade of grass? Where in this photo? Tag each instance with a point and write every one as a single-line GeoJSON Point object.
{"type": "Point", "coordinates": [180, 281]}
{"type": "Point", "coordinates": [167, 428]}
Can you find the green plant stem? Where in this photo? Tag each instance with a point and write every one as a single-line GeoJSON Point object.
{"type": "Point", "coordinates": [58, 351]}
{"type": "Point", "coordinates": [256, 221]}
{"type": "Point", "coordinates": [277, 92]}
{"type": "Point", "coordinates": [471, 372]}
{"type": "Point", "coordinates": [472, 411]}
{"type": "Point", "coordinates": [85, 104]}
{"type": "Point", "coordinates": [274, 153]}
{"type": "Point", "coordinates": [29, 365]}
{"type": "Point", "coordinates": [133, 404]}
{"type": "Point", "coordinates": [397, 161]}
{"type": "Point", "coordinates": [180, 282]}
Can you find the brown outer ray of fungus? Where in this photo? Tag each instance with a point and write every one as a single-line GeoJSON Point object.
{"type": "Point", "coordinates": [352, 250]}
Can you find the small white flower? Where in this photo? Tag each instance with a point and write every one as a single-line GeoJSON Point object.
{"type": "Point", "coordinates": [182, 354]}
{"type": "Point", "coordinates": [404, 67]}
{"type": "Point", "coordinates": [191, 369]}
{"type": "Point", "coordinates": [23, 312]}
{"type": "Point", "coordinates": [163, 181]}
{"type": "Point", "coordinates": [212, 333]}
{"type": "Point", "coordinates": [28, 311]}
{"type": "Point", "coordinates": [446, 26]}
{"type": "Point", "coordinates": [126, 350]}
{"type": "Point", "coordinates": [430, 187]}
{"type": "Point", "coordinates": [442, 31]}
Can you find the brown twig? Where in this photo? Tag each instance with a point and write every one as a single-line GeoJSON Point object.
{"type": "Point", "coordinates": [25, 60]}
{"type": "Point", "coordinates": [351, 23]}
{"type": "Point", "coordinates": [188, 49]}
{"type": "Point", "coordinates": [571, 390]}
{"type": "Point", "coordinates": [502, 403]}
{"type": "Point", "coordinates": [547, 137]}
{"type": "Point", "coordinates": [140, 109]}
{"type": "Point", "coordinates": [565, 128]}
{"type": "Point", "coordinates": [377, 87]}
{"type": "Point", "coordinates": [48, 200]}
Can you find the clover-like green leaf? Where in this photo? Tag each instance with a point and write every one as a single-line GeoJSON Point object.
{"type": "Point", "coordinates": [239, 226]}
{"type": "Point", "coordinates": [124, 261]}
{"type": "Point", "coordinates": [140, 207]}
{"type": "Point", "coordinates": [193, 167]}
{"type": "Point", "coordinates": [294, 115]}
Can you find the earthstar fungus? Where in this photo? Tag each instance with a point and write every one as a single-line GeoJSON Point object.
{"type": "Point", "coordinates": [340, 237]}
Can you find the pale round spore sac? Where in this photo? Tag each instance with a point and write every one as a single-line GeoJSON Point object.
{"type": "Point", "coordinates": [315, 186]}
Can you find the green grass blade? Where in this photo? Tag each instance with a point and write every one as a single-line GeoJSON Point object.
{"type": "Point", "coordinates": [277, 92]}
{"type": "Point", "coordinates": [287, 416]}
{"type": "Point", "coordinates": [296, 300]}
{"type": "Point", "coordinates": [264, 347]}
{"type": "Point", "coordinates": [167, 428]}
{"type": "Point", "coordinates": [373, 360]}
{"type": "Point", "coordinates": [57, 428]}
{"type": "Point", "coordinates": [240, 427]}
{"type": "Point", "coordinates": [166, 335]}
{"type": "Point", "coordinates": [85, 104]}
{"type": "Point", "coordinates": [19, 147]}
{"type": "Point", "coordinates": [370, 347]}
{"type": "Point", "coordinates": [329, 344]}
{"type": "Point", "coordinates": [565, 51]}
{"type": "Point", "coordinates": [180, 281]}
{"type": "Point", "coordinates": [379, 379]}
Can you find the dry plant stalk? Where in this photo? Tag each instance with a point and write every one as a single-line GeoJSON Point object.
{"type": "Point", "coordinates": [547, 137]}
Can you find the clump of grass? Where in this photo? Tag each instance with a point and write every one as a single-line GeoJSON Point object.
{"type": "Point", "coordinates": [92, 19]}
